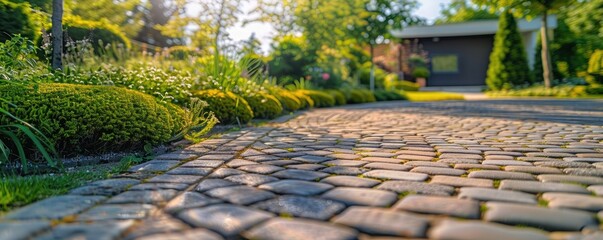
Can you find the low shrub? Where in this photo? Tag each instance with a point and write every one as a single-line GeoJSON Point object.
{"type": "Point", "coordinates": [355, 96]}
{"type": "Point", "coordinates": [338, 96]}
{"type": "Point", "coordinates": [183, 52]}
{"type": "Point", "coordinates": [432, 96]}
{"type": "Point", "coordinates": [595, 68]}
{"type": "Point", "coordinates": [82, 119]}
{"type": "Point", "coordinates": [406, 86]}
{"type": "Point", "coordinates": [227, 106]}
{"type": "Point", "coordinates": [320, 99]}
{"type": "Point", "coordinates": [288, 100]}
{"type": "Point", "coordinates": [595, 90]}
{"type": "Point", "coordinates": [264, 106]}
{"type": "Point", "coordinates": [384, 95]}
{"type": "Point", "coordinates": [368, 95]}
{"type": "Point", "coordinates": [306, 101]}
{"type": "Point", "coordinates": [541, 91]}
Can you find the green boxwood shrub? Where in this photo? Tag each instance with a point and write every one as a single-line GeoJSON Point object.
{"type": "Point", "coordinates": [360, 96]}
{"type": "Point", "coordinates": [338, 95]}
{"type": "Point", "coordinates": [226, 106]}
{"type": "Point", "coordinates": [17, 18]}
{"type": "Point", "coordinates": [288, 100]}
{"type": "Point", "coordinates": [405, 85]}
{"type": "Point", "coordinates": [320, 99]}
{"type": "Point", "coordinates": [264, 106]}
{"type": "Point", "coordinates": [82, 119]}
{"type": "Point", "coordinates": [96, 31]}
{"type": "Point", "coordinates": [306, 101]}
{"type": "Point", "coordinates": [368, 95]}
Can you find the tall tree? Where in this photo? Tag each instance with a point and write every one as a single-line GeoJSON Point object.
{"type": "Point", "coordinates": [379, 18]}
{"type": "Point", "coordinates": [532, 8]}
{"type": "Point", "coordinates": [280, 13]}
{"type": "Point", "coordinates": [57, 34]}
{"type": "Point", "coordinates": [508, 63]}
{"type": "Point", "coordinates": [218, 16]}
{"type": "Point", "coordinates": [462, 11]}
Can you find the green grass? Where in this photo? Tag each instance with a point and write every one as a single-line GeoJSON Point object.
{"type": "Point", "coordinates": [18, 191]}
{"type": "Point", "coordinates": [432, 96]}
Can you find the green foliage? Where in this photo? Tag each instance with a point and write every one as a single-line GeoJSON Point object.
{"type": "Point", "coordinates": [360, 96]}
{"type": "Point", "coordinates": [380, 76]}
{"type": "Point", "coordinates": [289, 58]}
{"type": "Point", "coordinates": [169, 86]}
{"type": "Point", "coordinates": [99, 33]}
{"type": "Point", "coordinates": [541, 91]}
{"type": "Point", "coordinates": [305, 101]}
{"type": "Point", "coordinates": [388, 95]}
{"type": "Point", "coordinates": [320, 99]}
{"type": "Point", "coordinates": [462, 11]}
{"type": "Point", "coordinates": [508, 64]}
{"type": "Point", "coordinates": [337, 95]}
{"type": "Point", "coordinates": [198, 122]}
{"type": "Point", "coordinates": [17, 18]}
{"type": "Point", "coordinates": [288, 100]}
{"type": "Point", "coordinates": [227, 106]}
{"type": "Point", "coordinates": [223, 73]}
{"type": "Point", "coordinates": [421, 72]}
{"type": "Point", "coordinates": [264, 106]}
{"type": "Point", "coordinates": [92, 119]}
{"type": "Point", "coordinates": [17, 60]}
{"type": "Point", "coordinates": [406, 86]}
{"type": "Point", "coordinates": [183, 52]}
{"type": "Point", "coordinates": [595, 67]}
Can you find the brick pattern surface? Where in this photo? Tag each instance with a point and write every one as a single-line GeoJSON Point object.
{"type": "Point", "coordinates": [505, 169]}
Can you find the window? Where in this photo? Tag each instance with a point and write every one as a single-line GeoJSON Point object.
{"type": "Point", "coordinates": [445, 64]}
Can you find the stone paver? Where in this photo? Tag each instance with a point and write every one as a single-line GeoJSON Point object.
{"type": "Point", "coordinates": [512, 169]}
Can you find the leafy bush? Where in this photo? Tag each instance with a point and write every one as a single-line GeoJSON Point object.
{"type": "Point", "coordinates": [385, 95]}
{"type": "Point", "coordinates": [227, 106]}
{"type": "Point", "coordinates": [365, 76]}
{"type": "Point", "coordinates": [337, 95]}
{"type": "Point", "coordinates": [432, 96]}
{"type": "Point", "coordinates": [360, 96]}
{"type": "Point", "coordinates": [508, 64]}
{"type": "Point", "coordinates": [16, 18]}
{"type": "Point", "coordinates": [306, 101]}
{"type": "Point", "coordinates": [264, 106]}
{"type": "Point", "coordinates": [421, 72]}
{"type": "Point", "coordinates": [406, 86]}
{"type": "Point", "coordinates": [99, 33]}
{"type": "Point", "coordinates": [595, 67]}
{"type": "Point", "coordinates": [93, 119]}
{"type": "Point", "coordinates": [183, 52]}
{"type": "Point", "coordinates": [288, 100]}
{"type": "Point", "coordinates": [319, 98]}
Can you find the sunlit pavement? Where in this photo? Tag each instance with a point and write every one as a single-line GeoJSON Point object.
{"type": "Point", "coordinates": [495, 169]}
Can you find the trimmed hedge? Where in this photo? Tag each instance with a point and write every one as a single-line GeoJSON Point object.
{"type": "Point", "coordinates": [360, 96]}
{"type": "Point", "coordinates": [320, 99]}
{"type": "Point", "coordinates": [17, 18]}
{"type": "Point", "coordinates": [264, 106]}
{"type": "Point", "coordinates": [338, 96]}
{"type": "Point", "coordinates": [288, 100]}
{"type": "Point", "coordinates": [82, 119]}
{"type": "Point", "coordinates": [77, 28]}
{"type": "Point", "coordinates": [227, 106]}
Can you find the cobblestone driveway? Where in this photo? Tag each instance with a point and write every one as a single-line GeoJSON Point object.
{"type": "Point", "coordinates": [448, 170]}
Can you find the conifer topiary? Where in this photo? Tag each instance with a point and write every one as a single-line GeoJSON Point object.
{"type": "Point", "coordinates": [508, 64]}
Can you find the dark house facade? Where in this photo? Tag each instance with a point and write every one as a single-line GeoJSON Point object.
{"type": "Point", "coordinates": [459, 53]}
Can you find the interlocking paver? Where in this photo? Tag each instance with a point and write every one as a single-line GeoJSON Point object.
{"type": "Point", "coordinates": [300, 229]}
{"type": "Point", "coordinates": [410, 166]}
{"type": "Point", "coordinates": [225, 219]}
{"type": "Point", "coordinates": [545, 218]}
{"type": "Point", "coordinates": [300, 206]}
{"type": "Point", "coordinates": [361, 196]}
{"type": "Point", "coordinates": [381, 221]}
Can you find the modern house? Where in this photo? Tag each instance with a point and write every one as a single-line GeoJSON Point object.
{"type": "Point", "coordinates": [459, 53]}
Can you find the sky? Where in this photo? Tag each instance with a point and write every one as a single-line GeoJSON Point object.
{"type": "Point", "coordinates": [429, 9]}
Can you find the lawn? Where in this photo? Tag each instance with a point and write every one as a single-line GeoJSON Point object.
{"type": "Point", "coordinates": [432, 96]}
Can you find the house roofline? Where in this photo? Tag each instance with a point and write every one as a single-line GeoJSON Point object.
{"type": "Point", "coordinates": [471, 28]}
